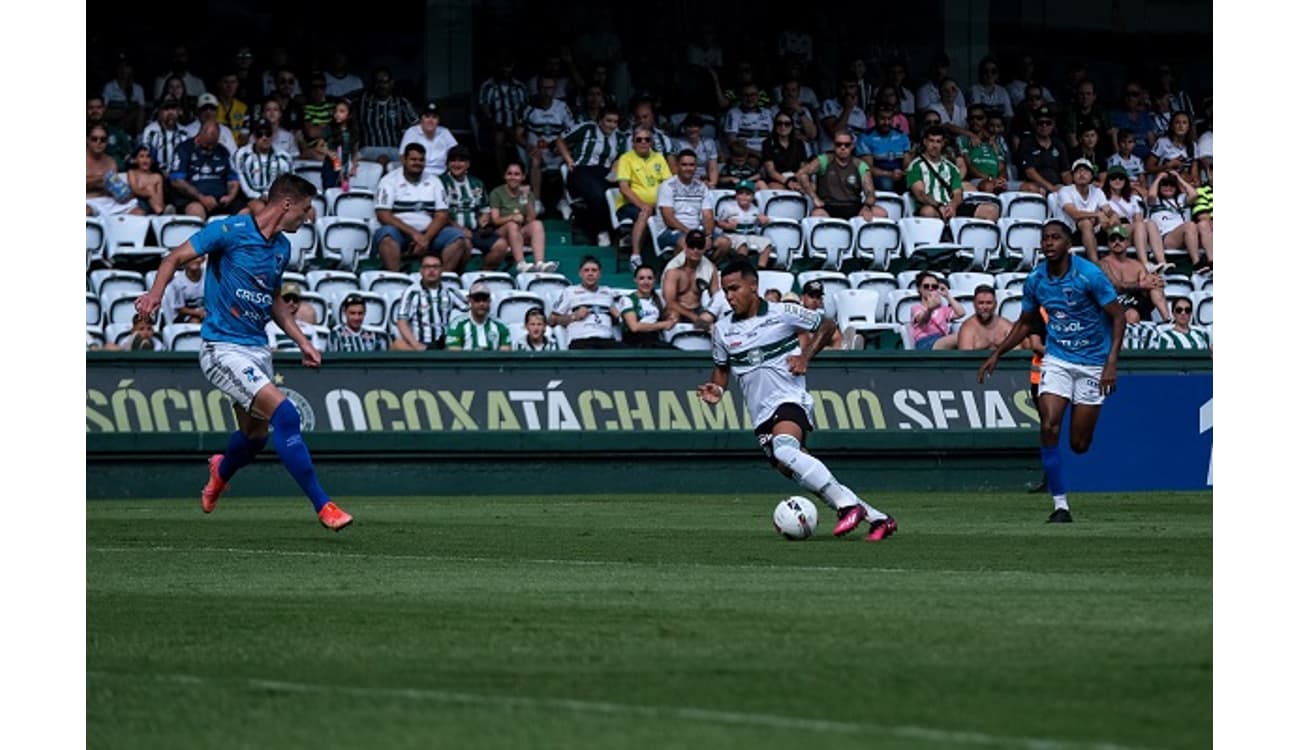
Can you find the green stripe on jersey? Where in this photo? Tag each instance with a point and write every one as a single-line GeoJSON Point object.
{"type": "Point", "coordinates": [760, 354]}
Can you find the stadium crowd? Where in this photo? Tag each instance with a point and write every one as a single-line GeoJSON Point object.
{"type": "Point", "coordinates": [951, 174]}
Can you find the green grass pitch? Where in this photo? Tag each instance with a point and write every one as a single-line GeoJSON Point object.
{"type": "Point", "coordinates": [649, 622]}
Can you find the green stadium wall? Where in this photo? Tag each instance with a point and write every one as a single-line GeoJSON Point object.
{"type": "Point", "coordinates": [460, 423]}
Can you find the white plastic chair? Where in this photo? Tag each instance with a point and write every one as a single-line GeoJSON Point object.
{"type": "Point", "coordinates": [381, 281]}
{"type": "Point", "coordinates": [309, 171]}
{"type": "Point", "coordinates": [513, 306]}
{"type": "Point", "coordinates": [966, 281]}
{"type": "Point", "coordinates": [896, 206]}
{"type": "Point", "coordinates": [876, 242]}
{"type": "Point", "coordinates": [921, 233]}
{"type": "Point", "coordinates": [782, 281]}
{"type": "Point", "coordinates": [881, 282]}
{"type": "Point", "coordinates": [368, 175]}
{"type": "Point", "coordinates": [856, 307]}
{"type": "Point", "coordinates": [786, 237]}
{"type": "Point", "coordinates": [125, 237]}
{"type": "Point", "coordinates": [783, 204]}
{"type": "Point", "coordinates": [1203, 308]}
{"type": "Point", "coordinates": [1011, 281]}
{"type": "Point", "coordinates": [499, 282]}
{"type": "Point", "coordinates": [172, 231]}
{"type": "Point", "coordinates": [720, 197]}
{"type": "Point", "coordinates": [183, 337]}
{"type": "Point", "coordinates": [982, 237]}
{"type": "Point", "coordinates": [318, 303]}
{"type": "Point", "coordinates": [907, 279]}
{"type": "Point", "coordinates": [302, 246]}
{"type": "Point", "coordinates": [343, 240]}
{"type": "Point", "coordinates": [619, 225]}
{"type": "Point", "coordinates": [96, 239]}
{"type": "Point", "coordinates": [94, 310]}
{"type": "Point", "coordinates": [356, 203]}
{"type": "Point", "coordinates": [1017, 205]}
{"type": "Point", "coordinates": [1178, 285]}
{"type": "Point", "coordinates": [1021, 240]}
{"type": "Point", "coordinates": [119, 307]}
{"type": "Point", "coordinates": [108, 281]}
{"type": "Point", "coordinates": [548, 286]}
{"type": "Point", "coordinates": [827, 239]}
{"type": "Point", "coordinates": [1009, 305]}
{"type": "Point", "coordinates": [655, 227]}
{"type": "Point", "coordinates": [687, 337]}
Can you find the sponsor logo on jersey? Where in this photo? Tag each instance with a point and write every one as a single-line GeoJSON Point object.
{"type": "Point", "coordinates": [257, 298]}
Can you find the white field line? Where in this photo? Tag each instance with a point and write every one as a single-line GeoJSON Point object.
{"type": "Point", "coordinates": [669, 713]}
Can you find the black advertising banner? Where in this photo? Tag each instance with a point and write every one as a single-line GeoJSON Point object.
{"type": "Point", "coordinates": [569, 396]}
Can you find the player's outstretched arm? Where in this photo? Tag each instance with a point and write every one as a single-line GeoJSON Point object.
{"type": "Point", "coordinates": [149, 302]}
{"type": "Point", "coordinates": [711, 392]}
{"type": "Point", "coordinates": [284, 318]}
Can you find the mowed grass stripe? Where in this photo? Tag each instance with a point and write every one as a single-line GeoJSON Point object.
{"type": "Point", "coordinates": [1088, 636]}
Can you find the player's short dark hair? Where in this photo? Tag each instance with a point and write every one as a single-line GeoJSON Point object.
{"type": "Point", "coordinates": [534, 311]}
{"type": "Point", "coordinates": [741, 267]}
{"type": "Point", "coordinates": [590, 259]}
{"type": "Point", "coordinates": [290, 186]}
{"type": "Point", "coordinates": [1057, 222]}
{"type": "Point", "coordinates": [610, 109]}
{"type": "Point", "coordinates": [985, 289]}
{"type": "Point", "coordinates": [350, 300]}
{"type": "Point", "coordinates": [687, 152]}
{"type": "Point", "coordinates": [458, 153]}
{"type": "Point", "coordinates": [934, 130]}
{"type": "Point", "coordinates": [413, 147]}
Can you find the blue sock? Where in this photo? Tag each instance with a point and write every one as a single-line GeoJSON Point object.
{"type": "Point", "coordinates": [1052, 467]}
{"type": "Point", "coordinates": [293, 452]}
{"type": "Point", "coordinates": [240, 452]}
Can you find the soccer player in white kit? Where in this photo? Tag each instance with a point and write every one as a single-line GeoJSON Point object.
{"type": "Point", "coordinates": [760, 341]}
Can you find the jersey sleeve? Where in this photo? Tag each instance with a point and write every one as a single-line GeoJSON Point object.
{"type": "Point", "coordinates": [407, 303]}
{"type": "Point", "coordinates": [209, 238]}
{"type": "Point", "coordinates": [563, 303]}
{"type": "Point", "coordinates": [384, 196]}
{"type": "Point", "coordinates": [719, 351]}
{"type": "Point", "coordinates": [1029, 295]}
{"type": "Point", "coordinates": [799, 316]}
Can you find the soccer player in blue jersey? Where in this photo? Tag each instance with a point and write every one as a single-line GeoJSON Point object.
{"type": "Point", "coordinates": [246, 260]}
{"type": "Point", "coordinates": [1085, 328]}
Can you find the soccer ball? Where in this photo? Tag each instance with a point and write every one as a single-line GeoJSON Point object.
{"type": "Point", "coordinates": [795, 518]}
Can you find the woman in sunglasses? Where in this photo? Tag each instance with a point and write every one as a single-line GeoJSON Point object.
{"type": "Point", "coordinates": [931, 317]}
{"type": "Point", "coordinates": [1182, 335]}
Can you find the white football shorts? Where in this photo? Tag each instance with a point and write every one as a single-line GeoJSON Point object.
{"type": "Point", "coordinates": [236, 370]}
{"type": "Point", "coordinates": [1078, 384]}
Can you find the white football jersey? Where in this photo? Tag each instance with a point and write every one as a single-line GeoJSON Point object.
{"type": "Point", "coordinates": [755, 349]}
{"type": "Point", "coordinates": [600, 323]}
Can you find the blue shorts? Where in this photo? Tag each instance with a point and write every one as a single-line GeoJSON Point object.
{"type": "Point", "coordinates": [628, 212]}
{"type": "Point", "coordinates": [445, 237]}
{"type": "Point", "coordinates": [927, 343]}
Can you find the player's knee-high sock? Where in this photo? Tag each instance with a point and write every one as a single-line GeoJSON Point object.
{"type": "Point", "coordinates": [240, 452]}
{"type": "Point", "coordinates": [1055, 474]}
{"type": "Point", "coordinates": [293, 452]}
{"type": "Point", "coordinates": [812, 474]}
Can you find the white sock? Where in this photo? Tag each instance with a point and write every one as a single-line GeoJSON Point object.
{"type": "Point", "coordinates": [1060, 502]}
{"type": "Point", "coordinates": [813, 475]}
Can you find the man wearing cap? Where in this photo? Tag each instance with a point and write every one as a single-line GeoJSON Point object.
{"type": "Point", "coordinates": [202, 178]}
{"type": "Point", "coordinates": [384, 118]}
{"type": "Point", "coordinates": [1042, 157]}
{"type": "Point", "coordinates": [478, 331]}
{"type": "Point", "coordinates": [1139, 291]}
{"type": "Point", "coordinates": [304, 315]}
{"type": "Point", "coordinates": [813, 297]}
{"type": "Point", "coordinates": [1086, 208]}
{"type": "Point", "coordinates": [351, 335]}
{"type": "Point", "coordinates": [257, 164]}
{"type": "Point", "coordinates": [742, 222]}
{"type": "Point", "coordinates": [686, 277]}
{"type": "Point", "coordinates": [164, 135]}
{"type": "Point", "coordinates": [435, 139]}
{"type": "Point", "coordinates": [207, 109]}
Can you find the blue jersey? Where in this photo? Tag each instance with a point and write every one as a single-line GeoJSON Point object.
{"type": "Point", "coordinates": [243, 274]}
{"type": "Point", "coordinates": [1078, 329]}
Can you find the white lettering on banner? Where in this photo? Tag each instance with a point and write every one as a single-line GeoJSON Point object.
{"type": "Point", "coordinates": [1207, 424]}
{"type": "Point", "coordinates": [942, 413]}
{"type": "Point", "coordinates": [997, 414]}
{"type": "Point", "coordinates": [529, 399]}
{"type": "Point", "coordinates": [559, 412]}
{"type": "Point", "coordinates": [968, 399]}
{"type": "Point", "coordinates": [339, 399]}
{"type": "Point", "coordinates": [902, 401]}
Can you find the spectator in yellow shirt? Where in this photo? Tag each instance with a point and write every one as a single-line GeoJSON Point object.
{"type": "Point", "coordinates": [640, 172]}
